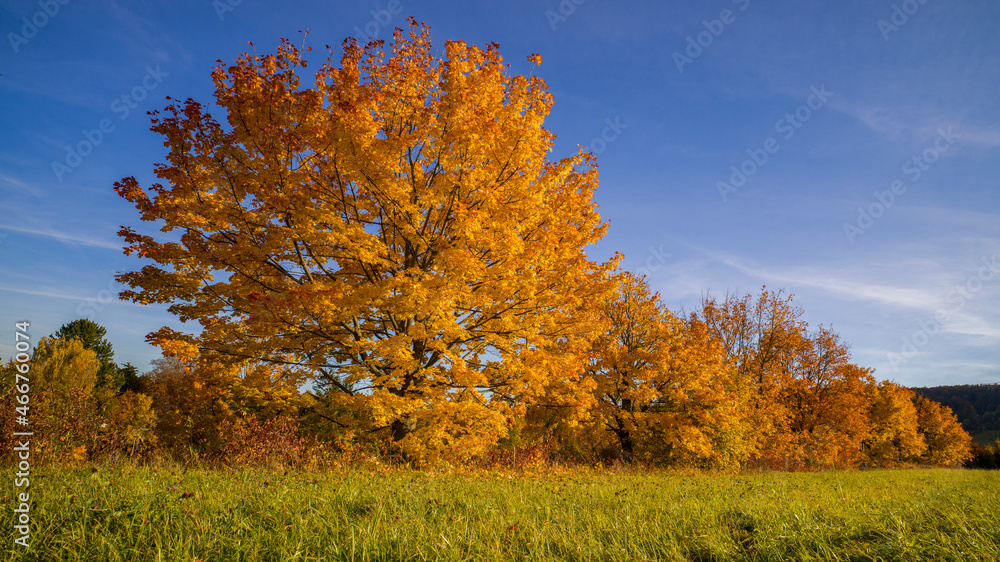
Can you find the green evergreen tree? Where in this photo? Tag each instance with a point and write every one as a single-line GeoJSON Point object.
{"type": "Point", "coordinates": [92, 336]}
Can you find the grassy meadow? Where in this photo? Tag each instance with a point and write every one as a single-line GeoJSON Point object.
{"type": "Point", "coordinates": [115, 513]}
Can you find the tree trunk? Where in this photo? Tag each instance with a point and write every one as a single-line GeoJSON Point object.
{"type": "Point", "coordinates": [403, 427]}
{"type": "Point", "coordinates": [627, 445]}
{"type": "Point", "coordinates": [628, 449]}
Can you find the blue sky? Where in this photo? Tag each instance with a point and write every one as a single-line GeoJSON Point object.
{"type": "Point", "coordinates": [846, 152]}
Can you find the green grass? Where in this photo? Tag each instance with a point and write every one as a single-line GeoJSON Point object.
{"type": "Point", "coordinates": [133, 514]}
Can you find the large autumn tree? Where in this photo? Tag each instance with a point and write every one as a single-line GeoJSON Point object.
{"type": "Point", "coordinates": [762, 339]}
{"type": "Point", "coordinates": [807, 403]}
{"type": "Point", "coordinates": [947, 443]}
{"type": "Point", "coordinates": [826, 401]}
{"type": "Point", "coordinates": [660, 384]}
{"type": "Point", "coordinates": [395, 229]}
{"type": "Point", "coordinates": [629, 360]}
{"type": "Point", "coordinates": [893, 434]}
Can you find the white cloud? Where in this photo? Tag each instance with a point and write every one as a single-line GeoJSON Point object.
{"type": "Point", "coordinates": [850, 289]}
{"type": "Point", "coordinates": [46, 294]}
{"type": "Point", "coordinates": [32, 191]}
{"type": "Point", "coordinates": [918, 125]}
{"type": "Point", "coordinates": [65, 237]}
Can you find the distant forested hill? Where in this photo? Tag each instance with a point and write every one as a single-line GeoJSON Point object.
{"type": "Point", "coordinates": [977, 407]}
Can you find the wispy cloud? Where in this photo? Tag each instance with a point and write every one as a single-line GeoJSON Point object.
{"type": "Point", "coordinates": [969, 324]}
{"type": "Point", "coordinates": [65, 237]}
{"type": "Point", "coordinates": [918, 124]}
{"type": "Point", "coordinates": [48, 294]}
{"type": "Point", "coordinates": [926, 302]}
{"type": "Point", "coordinates": [20, 185]}
{"type": "Point", "coordinates": [984, 137]}
{"type": "Point", "coordinates": [143, 34]}
{"type": "Point", "coordinates": [70, 297]}
{"type": "Point", "coordinates": [850, 289]}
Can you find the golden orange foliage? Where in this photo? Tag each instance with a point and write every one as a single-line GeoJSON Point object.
{"type": "Point", "coordinates": [893, 434]}
{"type": "Point", "coordinates": [807, 404]}
{"type": "Point", "coordinates": [64, 370]}
{"type": "Point", "coordinates": [190, 406]}
{"type": "Point", "coordinates": [826, 403]}
{"type": "Point", "coordinates": [761, 339]}
{"type": "Point", "coordinates": [660, 383]}
{"type": "Point", "coordinates": [947, 443]}
{"type": "Point", "coordinates": [396, 228]}
{"type": "Point", "coordinates": [132, 418]}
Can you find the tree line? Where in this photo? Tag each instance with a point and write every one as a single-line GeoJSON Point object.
{"type": "Point", "coordinates": [740, 383]}
{"type": "Point", "coordinates": [976, 405]}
